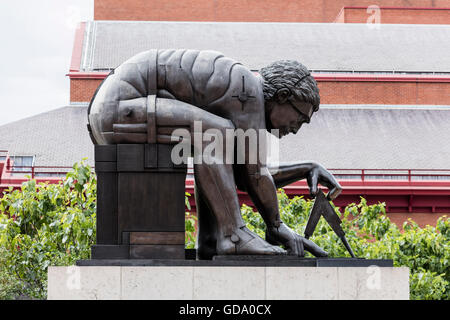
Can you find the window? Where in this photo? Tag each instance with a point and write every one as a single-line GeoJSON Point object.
{"type": "Point", "coordinates": [22, 163]}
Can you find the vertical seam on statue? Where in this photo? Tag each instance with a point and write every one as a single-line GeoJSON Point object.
{"type": "Point", "coordinates": [181, 58]}
{"type": "Point", "coordinates": [165, 69]}
{"type": "Point", "coordinates": [214, 65]}
{"type": "Point", "coordinates": [189, 75]}
{"type": "Point", "coordinates": [165, 75]}
{"type": "Point", "coordinates": [153, 78]}
{"type": "Point", "coordinates": [156, 75]}
{"type": "Point", "coordinates": [212, 73]}
{"type": "Point", "coordinates": [193, 62]}
{"type": "Point", "coordinates": [194, 98]}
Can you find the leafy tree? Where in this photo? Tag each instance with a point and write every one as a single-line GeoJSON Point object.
{"type": "Point", "coordinates": [42, 225]}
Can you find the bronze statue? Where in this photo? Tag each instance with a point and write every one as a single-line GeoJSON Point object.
{"type": "Point", "coordinates": [156, 92]}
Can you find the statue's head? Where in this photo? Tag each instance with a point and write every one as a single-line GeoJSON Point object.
{"type": "Point", "coordinates": [291, 95]}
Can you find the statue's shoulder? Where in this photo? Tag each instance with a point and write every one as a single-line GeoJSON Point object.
{"type": "Point", "coordinates": [195, 76]}
{"type": "Point", "coordinates": [242, 100]}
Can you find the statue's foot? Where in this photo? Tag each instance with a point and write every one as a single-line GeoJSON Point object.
{"type": "Point", "coordinates": [245, 242]}
{"type": "Point", "coordinates": [294, 243]}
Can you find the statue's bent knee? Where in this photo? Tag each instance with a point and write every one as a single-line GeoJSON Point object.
{"type": "Point", "coordinates": [128, 121]}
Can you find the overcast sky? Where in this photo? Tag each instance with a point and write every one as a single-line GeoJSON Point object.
{"type": "Point", "coordinates": [35, 53]}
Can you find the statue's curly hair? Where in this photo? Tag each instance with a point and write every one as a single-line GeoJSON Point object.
{"type": "Point", "coordinates": [292, 75]}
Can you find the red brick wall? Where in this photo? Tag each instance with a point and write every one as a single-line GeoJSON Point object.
{"type": "Point", "coordinates": [422, 219]}
{"type": "Point", "coordinates": [334, 92]}
{"type": "Point", "coordinates": [341, 92]}
{"type": "Point", "coordinates": [82, 90]}
{"type": "Point", "coordinates": [240, 10]}
{"type": "Point", "coordinates": [402, 16]}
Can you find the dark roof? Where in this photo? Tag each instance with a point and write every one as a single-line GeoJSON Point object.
{"type": "Point", "coordinates": [57, 138]}
{"type": "Point", "coordinates": [320, 46]}
{"type": "Point", "coordinates": [338, 137]}
{"type": "Point", "coordinates": [374, 138]}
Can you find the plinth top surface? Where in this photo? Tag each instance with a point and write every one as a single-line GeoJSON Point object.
{"type": "Point", "coordinates": [243, 261]}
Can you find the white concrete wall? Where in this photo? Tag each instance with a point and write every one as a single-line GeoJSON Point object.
{"type": "Point", "coordinates": [222, 283]}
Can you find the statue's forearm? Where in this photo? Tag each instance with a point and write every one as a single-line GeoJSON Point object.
{"type": "Point", "coordinates": [263, 192]}
{"type": "Point", "coordinates": [288, 173]}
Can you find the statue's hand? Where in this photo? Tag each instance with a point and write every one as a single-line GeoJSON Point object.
{"type": "Point", "coordinates": [294, 243]}
{"type": "Point", "coordinates": [318, 174]}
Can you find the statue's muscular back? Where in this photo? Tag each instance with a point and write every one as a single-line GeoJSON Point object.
{"type": "Point", "coordinates": [212, 82]}
{"type": "Point", "coordinates": [204, 79]}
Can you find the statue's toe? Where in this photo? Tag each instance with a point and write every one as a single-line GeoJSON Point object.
{"type": "Point", "coordinates": [251, 244]}
{"type": "Point", "coordinates": [278, 250]}
{"type": "Point", "coordinates": [259, 247]}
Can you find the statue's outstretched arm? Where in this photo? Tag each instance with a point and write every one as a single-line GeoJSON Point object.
{"type": "Point", "coordinates": [315, 173]}
{"type": "Point", "coordinates": [262, 190]}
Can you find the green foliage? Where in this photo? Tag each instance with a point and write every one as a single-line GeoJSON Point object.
{"type": "Point", "coordinates": [9, 286]}
{"type": "Point", "coordinates": [428, 285]}
{"type": "Point", "coordinates": [190, 225]}
{"type": "Point", "coordinates": [42, 225]}
{"type": "Point", "coordinates": [54, 224]}
{"type": "Point", "coordinates": [254, 221]}
{"type": "Point", "coordinates": [372, 235]}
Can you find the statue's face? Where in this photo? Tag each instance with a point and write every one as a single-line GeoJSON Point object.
{"type": "Point", "coordinates": [286, 116]}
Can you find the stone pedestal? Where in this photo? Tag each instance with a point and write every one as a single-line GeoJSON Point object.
{"type": "Point", "coordinates": [219, 281]}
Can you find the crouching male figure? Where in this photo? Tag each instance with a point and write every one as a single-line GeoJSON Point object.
{"type": "Point", "coordinates": [155, 93]}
